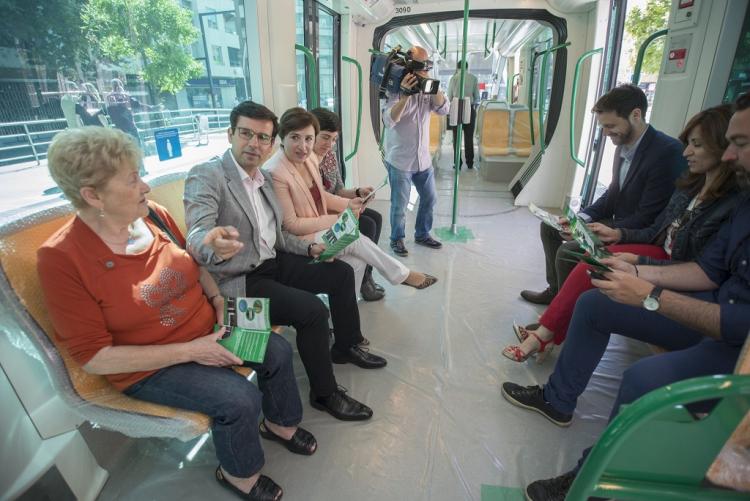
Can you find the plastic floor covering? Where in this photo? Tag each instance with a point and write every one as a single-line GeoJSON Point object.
{"type": "Point", "coordinates": [441, 429]}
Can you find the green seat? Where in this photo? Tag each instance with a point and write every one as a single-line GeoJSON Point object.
{"type": "Point", "coordinates": [656, 449]}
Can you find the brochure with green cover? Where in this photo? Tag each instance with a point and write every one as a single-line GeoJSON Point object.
{"type": "Point", "coordinates": [586, 238]}
{"type": "Point", "coordinates": [342, 233]}
{"type": "Point", "coordinates": [248, 327]}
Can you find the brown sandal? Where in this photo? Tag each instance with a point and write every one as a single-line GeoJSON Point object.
{"type": "Point", "coordinates": [428, 280]}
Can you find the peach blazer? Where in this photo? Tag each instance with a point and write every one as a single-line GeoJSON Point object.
{"type": "Point", "coordinates": [301, 216]}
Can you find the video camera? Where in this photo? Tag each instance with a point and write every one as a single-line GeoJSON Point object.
{"type": "Point", "coordinates": [388, 70]}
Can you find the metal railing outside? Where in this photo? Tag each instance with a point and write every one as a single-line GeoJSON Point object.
{"type": "Point", "coordinates": [27, 141]}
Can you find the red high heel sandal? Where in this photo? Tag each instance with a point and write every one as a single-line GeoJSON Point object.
{"type": "Point", "coordinates": [515, 353]}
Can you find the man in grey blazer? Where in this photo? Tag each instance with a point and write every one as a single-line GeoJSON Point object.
{"type": "Point", "coordinates": [234, 230]}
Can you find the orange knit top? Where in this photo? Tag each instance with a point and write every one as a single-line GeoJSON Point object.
{"type": "Point", "coordinates": [97, 298]}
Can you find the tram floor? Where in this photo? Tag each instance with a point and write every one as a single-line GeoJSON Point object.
{"type": "Point", "coordinates": [441, 429]}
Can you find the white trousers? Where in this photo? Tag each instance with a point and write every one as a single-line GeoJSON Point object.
{"type": "Point", "coordinates": [364, 251]}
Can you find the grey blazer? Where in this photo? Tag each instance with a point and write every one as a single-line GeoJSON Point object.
{"type": "Point", "coordinates": [216, 196]}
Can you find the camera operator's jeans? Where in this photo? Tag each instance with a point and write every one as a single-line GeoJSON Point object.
{"type": "Point", "coordinates": [401, 182]}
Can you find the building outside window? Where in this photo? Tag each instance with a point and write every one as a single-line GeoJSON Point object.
{"type": "Point", "coordinates": [217, 55]}
{"type": "Point", "coordinates": [234, 57]}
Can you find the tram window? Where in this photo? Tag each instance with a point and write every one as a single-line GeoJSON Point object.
{"type": "Point", "coordinates": [642, 19]}
{"type": "Point", "coordinates": [58, 62]}
{"type": "Point", "coordinates": [739, 77]}
{"type": "Point", "coordinates": [322, 35]}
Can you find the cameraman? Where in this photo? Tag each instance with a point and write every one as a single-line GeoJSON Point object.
{"type": "Point", "coordinates": [406, 116]}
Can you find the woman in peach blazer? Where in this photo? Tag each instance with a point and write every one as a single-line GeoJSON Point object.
{"type": "Point", "coordinates": [309, 210]}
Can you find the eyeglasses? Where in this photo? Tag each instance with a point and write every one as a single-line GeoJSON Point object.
{"type": "Point", "coordinates": [249, 134]}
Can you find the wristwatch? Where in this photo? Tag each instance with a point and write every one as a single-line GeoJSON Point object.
{"type": "Point", "coordinates": [309, 249]}
{"type": "Point", "coordinates": [651, 302]}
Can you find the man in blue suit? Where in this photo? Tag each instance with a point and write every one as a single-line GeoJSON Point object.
{"type": "Point", "coordinates": [647, 162]}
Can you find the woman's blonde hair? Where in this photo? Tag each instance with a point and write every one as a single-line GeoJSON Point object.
{"type": "Point", "coordinates": [88, 156]}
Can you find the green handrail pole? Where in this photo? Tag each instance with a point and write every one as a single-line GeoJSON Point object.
{"type": "Point", "coordinates": [642, 54]}
{"type": "Point", "coordinates": [437, 39]}
{"type": "Point", "coordinates": [359, 104]}
{"type": "Point", "coordinates": [459, 126]}
{"type": "Point", "coordinates": [312, 77]}
{"type": "Point", "coordinates": [531, 96]}
{"type": "Point", "coordinates": [573, 99]}
{"type": "Point", "coordinates": [541, 97]}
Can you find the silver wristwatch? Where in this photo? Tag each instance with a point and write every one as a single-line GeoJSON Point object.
{"type": "Point", "coordinates": [651, 302]}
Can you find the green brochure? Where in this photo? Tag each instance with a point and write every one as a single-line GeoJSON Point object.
{"type": "Point", "coordinates": [577, 257]}
{"type": "Point", "coordinates": [586, 238]}
{"type": "Point", "coordinates": [343, 232]}
{"type": "Point", "coordinates": [248, 327]}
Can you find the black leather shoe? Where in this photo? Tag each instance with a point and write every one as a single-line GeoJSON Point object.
{"type": "Point", "coordinates": [358, 356]}
{"type": "Point", "coordinates": [369, 292]}
{"type": "Point", "coordinates": [544, 297]}
{"type": "Point", "coordinates": [398, 248]}
{"type": "Point", "coordinates": [532, 398]}
{"type": "Point", "coordinates": [302, 442]}
{"type": "Point", "coordinates": [264, 489]}
{"type": "Point", "coordinates": [429, 242]}
{"type": "Point", "coordinates": [552, 489]}
{"type": "Point", "coordinates": [341, 406]}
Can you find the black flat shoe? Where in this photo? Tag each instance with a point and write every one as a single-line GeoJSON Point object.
{"type": "Point", "coordinates": [264, 489]}
{"type": "Point", "coordinates": [398, 248]}
{"type": "Point", "coordinates": [358, 356]}
{"type": "Point", "coordinates": [429, 242]}
{"type": "Point", "coordinates": [341, 406]}
{"type": "Point", "coordinates": [302, 442]}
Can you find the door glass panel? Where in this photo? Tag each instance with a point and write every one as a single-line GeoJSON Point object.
{"type": "Point", "coordinates": [327, 59]}
{"type": "Point", "coordinates": [642, 19]}
{"type": "Point", "coordinates": [300, 58]}
{"type": "Point", "coordinates": [739, 77]}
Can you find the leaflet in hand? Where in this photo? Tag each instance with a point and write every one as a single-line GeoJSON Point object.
{"type": "Point", "coordinates": [586, 238]}
{"type": "Point", "coordinates": [546, 217]}
{"type": "Point", "coordinates": [590, 260]}
{"type": "Point", "coordinates": [248, 327]}
{"type": "Point", "coordinates": [343, 232]}
{"type": "Point", "coordinates": [372, 193]}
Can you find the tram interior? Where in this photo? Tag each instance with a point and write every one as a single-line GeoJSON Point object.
{"type": "Point", "coordinates": [441, 430]}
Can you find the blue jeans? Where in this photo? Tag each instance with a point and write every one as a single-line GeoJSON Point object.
{"type": "Point", "coordinates": [232, 402]}
{"type": "Point", "coordinates": [401, 182]}
{"type": "Point", "coordinates": [596, 316]}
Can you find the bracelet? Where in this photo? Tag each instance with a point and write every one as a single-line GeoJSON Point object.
{"type": "Point", "coordinates": [211, 299]}
{"type": "Point", "coordinates": [636, 269]}
{"type": "Point", "coordinates": [356, 192]}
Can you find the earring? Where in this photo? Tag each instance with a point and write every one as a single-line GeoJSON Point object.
{"type": "Point", "coordinates": [101, 213]}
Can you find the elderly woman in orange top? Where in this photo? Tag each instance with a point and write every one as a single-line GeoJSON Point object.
{"type": "Point", "coordinates": [309, 210]}
{"type": "Point", "coordinates": [128, 302]}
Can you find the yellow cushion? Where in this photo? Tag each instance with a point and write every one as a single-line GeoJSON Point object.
{"type": "Point", "coordinates": [494, 139]}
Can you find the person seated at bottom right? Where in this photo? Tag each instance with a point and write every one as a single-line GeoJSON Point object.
{"type": "Point", "coordinates": [704, 329]}
{"type": "Point", "coordinates": [647, 163]}
{"type": "Point", "coordinates": [705, 197]}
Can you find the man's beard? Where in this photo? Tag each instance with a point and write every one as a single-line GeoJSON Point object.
{"type": "Point", "coordinates": [743, 179]}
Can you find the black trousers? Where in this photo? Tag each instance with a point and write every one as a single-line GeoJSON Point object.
{"type": "Point", "coordinates": [291, 282]}
{"type": "Point", "coordinates": [468, 135]}
{"type": "Point", "coordinates": [557, 269]}
{"type": "Point", "coordinates": [370, 223]}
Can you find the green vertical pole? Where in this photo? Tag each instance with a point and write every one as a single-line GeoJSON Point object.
{"type": "Point", "coordinates": [459, 127]}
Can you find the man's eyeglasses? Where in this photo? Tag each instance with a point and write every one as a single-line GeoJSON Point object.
{"type": "Point", "coordinates": [249, 134]}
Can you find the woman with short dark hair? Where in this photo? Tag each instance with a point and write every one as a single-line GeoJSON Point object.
{"type": "Point", "coordinates": [309, 210]}
{"type": "Point", "coordinates": [370, 220]}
